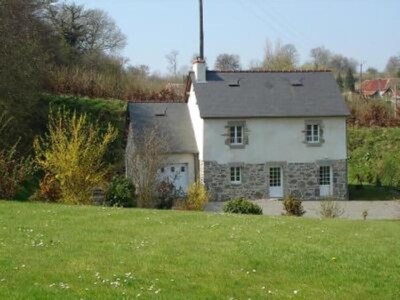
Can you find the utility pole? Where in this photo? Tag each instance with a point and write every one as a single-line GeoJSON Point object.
{"type": "Point", "coordinates": [201, 31]}
{"type": "Point", "coordinates": [395, 99]}
{"type": "Point", "coordinates": [361, 93]}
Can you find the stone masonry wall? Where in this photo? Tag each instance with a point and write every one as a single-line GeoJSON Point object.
{"type": "Point", "coordinates": [299, 179]}
{"type": "Point", "coordinates": [217, 180]}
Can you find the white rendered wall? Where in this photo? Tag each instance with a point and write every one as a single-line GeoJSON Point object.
{"type": "Point", "coordinates": [275, 139]}
{"type": "Point", "coordinates": [197, 122]}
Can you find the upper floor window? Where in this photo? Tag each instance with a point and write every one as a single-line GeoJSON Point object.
{"type": "Point", "coordinates": [236, 135]}
{"type": "Point", "coordinates": [313, 133]}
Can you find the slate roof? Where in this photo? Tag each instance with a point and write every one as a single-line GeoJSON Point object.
{"type": "Point", "coordinates": [239, 94]}
{"type": "Point", "coordinates": [175, 125]}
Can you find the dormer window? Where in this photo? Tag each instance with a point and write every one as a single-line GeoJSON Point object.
{"type": "Point", "coordinates": [236, 135]}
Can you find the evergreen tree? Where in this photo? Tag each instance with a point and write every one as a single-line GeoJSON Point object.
{"type": "Point", "coordinates": [350, 81]}
{"type": "Point", "coordinates": [339, 81]}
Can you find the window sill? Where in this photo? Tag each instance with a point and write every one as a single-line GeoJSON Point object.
{"type": "Point", "coordinates": [319, 144]}
{"type": "Point", "coordinates": [236, 146]}
{"type": "Point", "coordinates": [236, 183]}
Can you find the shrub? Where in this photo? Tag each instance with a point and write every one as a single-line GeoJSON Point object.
{"type": "Point", "coordinates": [167, 195]}
{"type": "Point", "coordinates": [330, 208]}
{"type": "Point", "coordinates": [293, 206]}
{"type": "Point", "coordinates": [120, 192]}
{"type": "Point", "coordinates": [196, 199]}
{"type": "Point", "coordinates": [49, 189]}
{"type": "Point", "coordinates": [73, 151]}
{"type": "Point", "coordinates": [13, 172]}
{"type": "Point", "coordinates": [242, 206]}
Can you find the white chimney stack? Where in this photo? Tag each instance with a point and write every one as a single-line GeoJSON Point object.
{"type": "Point", "coordinates": [199, 69]}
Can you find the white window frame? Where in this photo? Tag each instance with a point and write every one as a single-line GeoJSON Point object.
{"type": "Point", "coordinates": [313, 135]}
{"type": "Point", "coordinates": [325, 175]}
{"type": "Point", "coordinates": [236, 175]}
{"type": "Point", "coordinates": [273, 179]}
{"type": "Point", "coordinates": [234, 140]}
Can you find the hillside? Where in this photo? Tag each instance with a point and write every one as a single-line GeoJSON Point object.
{"type": "Point", "coordinates": [78, 252]}
{"type": "Point", "coordinates": [102, 111]}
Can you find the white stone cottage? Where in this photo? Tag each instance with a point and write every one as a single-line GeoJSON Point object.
{"type": "Point", "coordinates": [259, 134]}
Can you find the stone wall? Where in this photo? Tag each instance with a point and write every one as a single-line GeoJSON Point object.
{"type": "Point", "coordinates": [299, 179]}
{"type": "Point", "coordinates": [217, 180]}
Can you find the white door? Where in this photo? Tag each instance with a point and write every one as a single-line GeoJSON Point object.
{"type": "Point", "coordinates": [177, 174]}
{"type": "Point", "coordinates": [325, 181]}
{"type": "Point", "coordinates": [275, 182]}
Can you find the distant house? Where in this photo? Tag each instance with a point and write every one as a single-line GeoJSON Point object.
{"type": "Point", "coordinates": [255, 134]}
{"type": "Point", "coordinates": [378, 88]}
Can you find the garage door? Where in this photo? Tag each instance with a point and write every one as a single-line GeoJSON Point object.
{"type": "Point", "coordinates": [177, 174]}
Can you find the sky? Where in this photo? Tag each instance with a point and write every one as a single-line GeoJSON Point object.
{"type": "Point", "coordinates": [367, 30]}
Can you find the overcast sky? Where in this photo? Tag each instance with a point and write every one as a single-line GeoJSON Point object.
{"type": "Point", "coordinates": [368, 30]}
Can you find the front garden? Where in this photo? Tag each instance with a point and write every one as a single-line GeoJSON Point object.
{"type": "Point", "coordinates": [50, 251]}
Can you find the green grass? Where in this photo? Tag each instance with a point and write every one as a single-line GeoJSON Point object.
{"type": "Point", "coordinates": [372, 193]}
{"type": "Point", "coordinates": [70, 252]}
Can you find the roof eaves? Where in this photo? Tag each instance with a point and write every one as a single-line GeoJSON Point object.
{"type": "Point", "coordinates": [276, 116]}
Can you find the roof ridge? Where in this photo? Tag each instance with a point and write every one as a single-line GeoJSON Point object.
{"type": "Point", "coordinates": [272, 71]}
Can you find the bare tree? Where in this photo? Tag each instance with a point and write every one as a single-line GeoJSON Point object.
{"type": "Point", "coordinates": [85, 30]}
{"type": "Point", "coordinates": [393, 66]}
{"type": "Point", "coordinates": [280, 57]}
{"type": "Point", "coordinates": [320, 57]}
{"type": "Point", "coordinates": [172, 59]}
{"type": "Point", "coordinates": [227, 62]}
{"type": "Point", "coordinates": [139, 70]}
{"type": "Point", "coordinates": [145, 156]}
{"type": "Point", "coordinates": [341, 63]}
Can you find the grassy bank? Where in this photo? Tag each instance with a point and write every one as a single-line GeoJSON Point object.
{"type": "Point", "coordinates": [55, 251]}
{"type": "Point", "coordinates": [102, 111]}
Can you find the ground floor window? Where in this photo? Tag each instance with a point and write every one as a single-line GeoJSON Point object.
{"type": "Point", "coordinates": [324, 175]}
{"type": "Point", "coordinates": [236, 175]}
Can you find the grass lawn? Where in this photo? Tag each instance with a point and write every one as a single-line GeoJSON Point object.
{"type": "Point", "coordinates": [373, 193]}
{"type": "Point", "coordinates": [70, 252]}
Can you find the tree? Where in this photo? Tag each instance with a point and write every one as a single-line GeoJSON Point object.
{"type": "Point", "coordinates": [22, 68]}
{"type": "Point", "coordinates": [73, 152]}
{"type": "Point", "coordinates": [139, 70]}
{"type": "Point", "coordinates": [280, 57]}
{"type": "Point", "coordinates": [172, 59]}
{"type": "Point", "coordinates": [372, 71]}
{"type": "Point", "coordinates": [341, 63]}
{"type": "Point", "coordinates": [393, 66]}
{"type": "Point", "coordinates": [339, 81]}
{"type": "Point", "coordinates": [85, 30]}
{"type": "Point", "coordinates": [321, 57]}
{"type": "Point", "coordinates": [145, 158]}
{"type": "Point", "coordinates": [349, 81]}
{"type": "Point", "coordinates": [227, 62]}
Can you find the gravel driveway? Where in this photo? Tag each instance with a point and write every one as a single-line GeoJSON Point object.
{"type": "Point", "coordinates": [352, 209]}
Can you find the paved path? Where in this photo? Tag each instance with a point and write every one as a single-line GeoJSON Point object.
{"type": "Point", "coordinates": [352, 209]}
